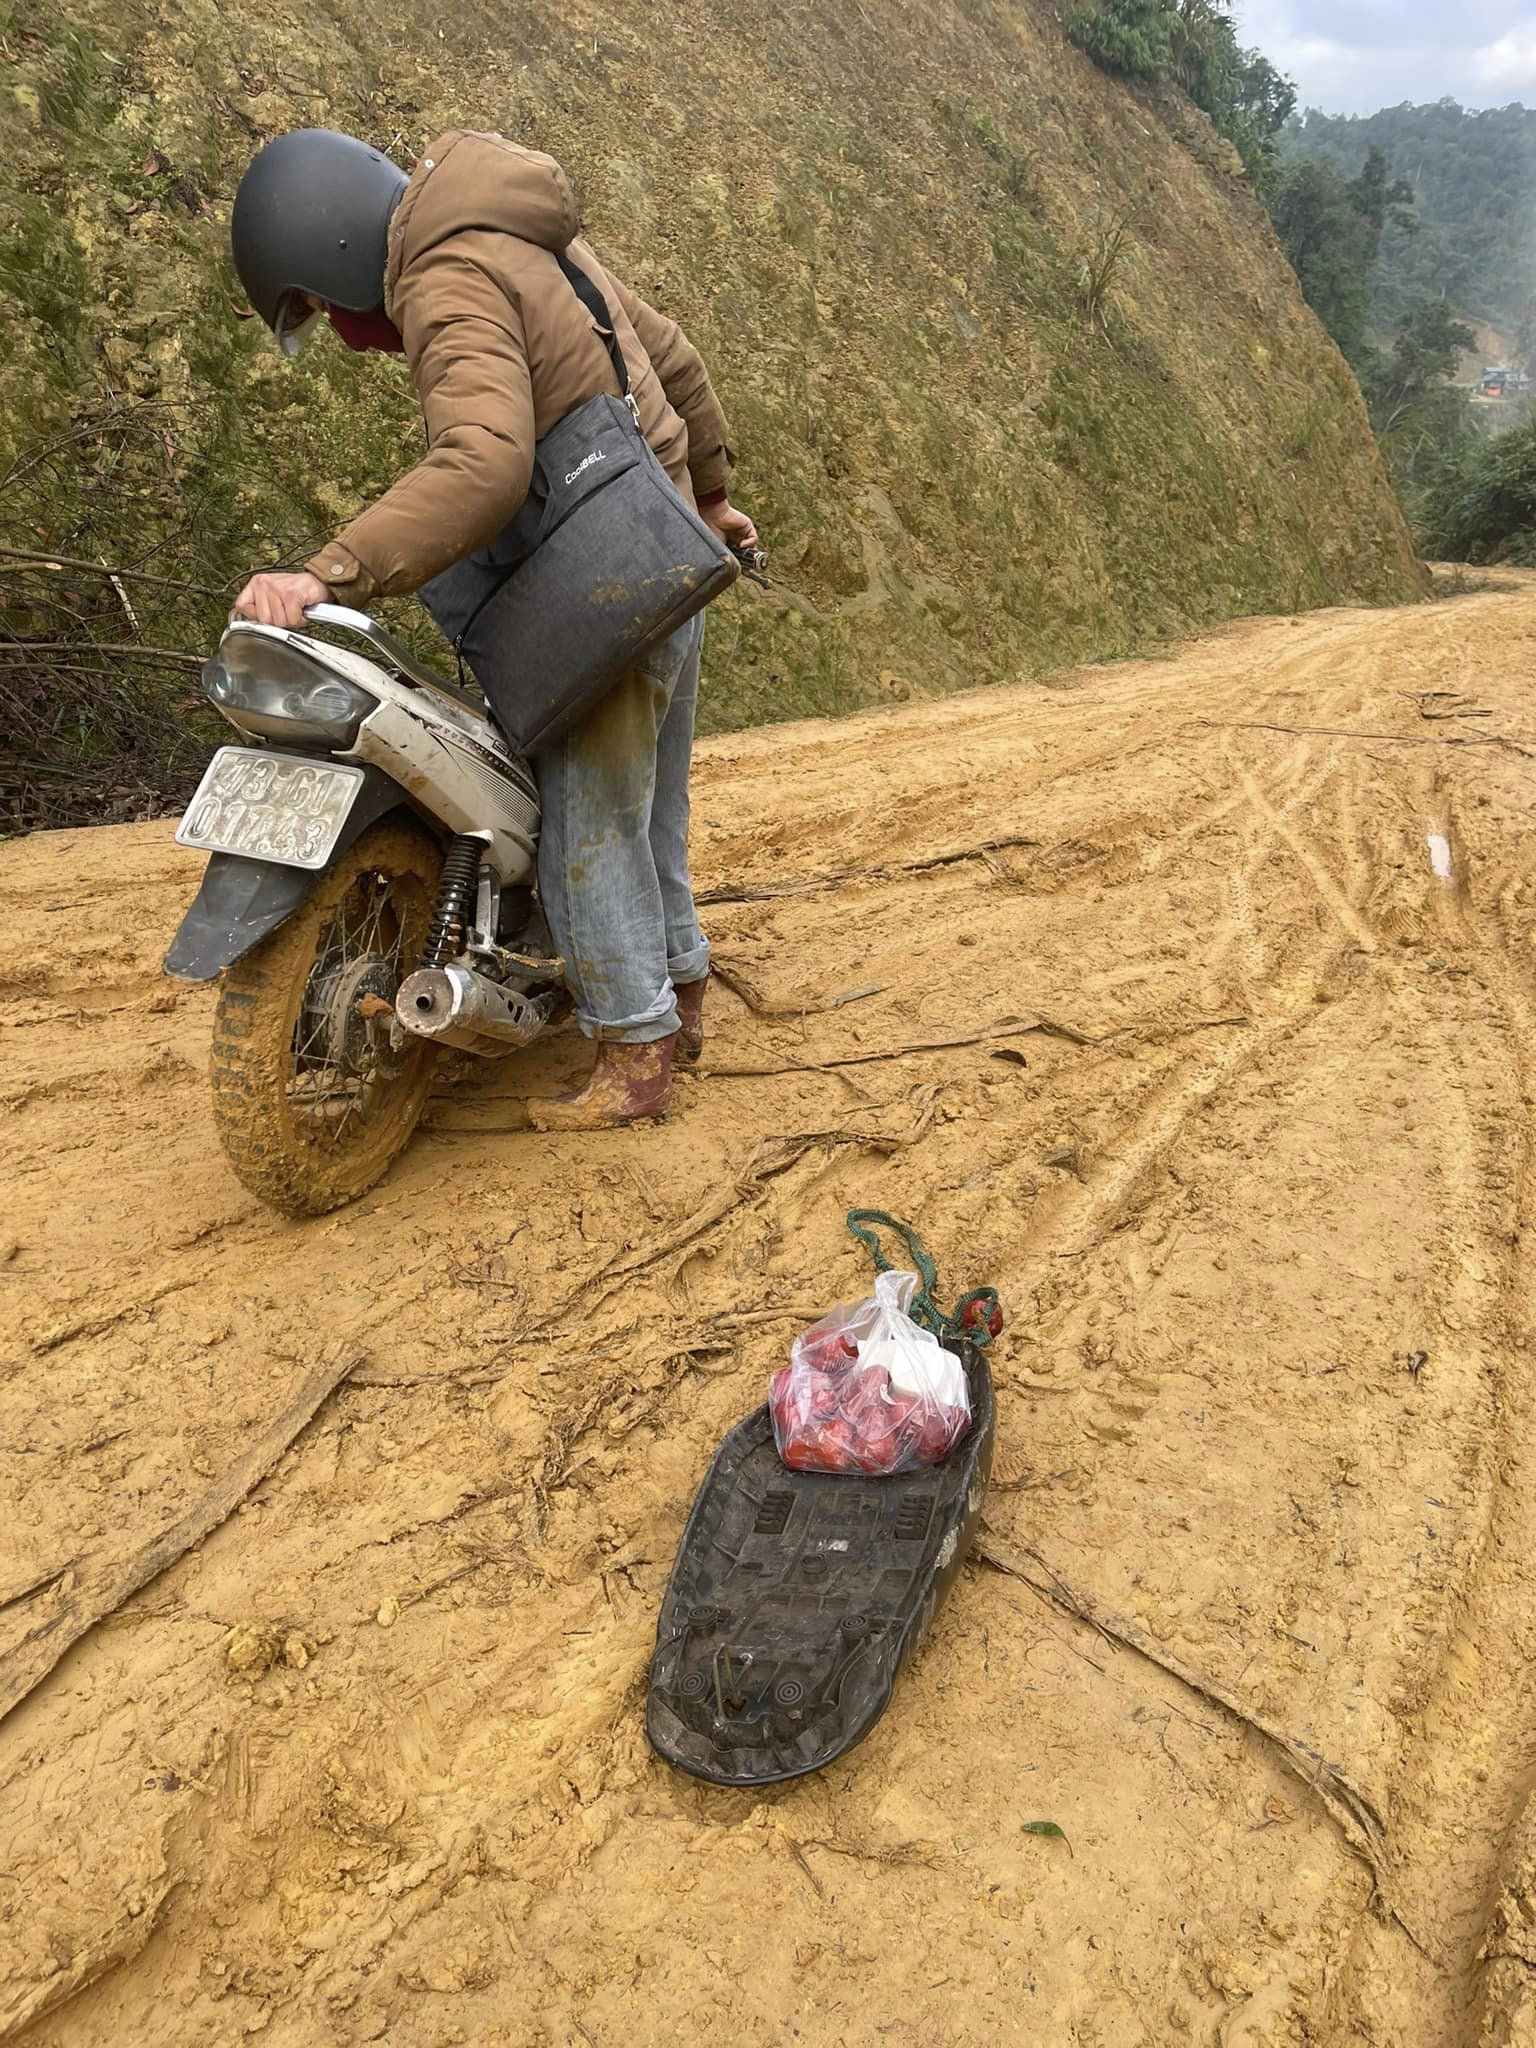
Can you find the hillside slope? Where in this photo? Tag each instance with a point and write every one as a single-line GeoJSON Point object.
{"type": "Point", "coordinates": [877, 219]}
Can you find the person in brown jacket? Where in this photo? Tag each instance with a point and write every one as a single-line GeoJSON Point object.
{"type": "Point", "coordinates": [455, 268]}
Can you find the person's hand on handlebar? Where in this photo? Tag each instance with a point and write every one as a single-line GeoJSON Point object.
{"type": "Point", "coordinates": [729, 525]}
{"type": "Point", "coordinates": [280, 597]}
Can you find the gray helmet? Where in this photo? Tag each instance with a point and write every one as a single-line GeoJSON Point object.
{"type": "Point", "coordinates": [312, 215]}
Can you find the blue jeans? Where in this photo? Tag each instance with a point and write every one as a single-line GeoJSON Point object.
{"type": "Point", "coordinates": [613, 848]}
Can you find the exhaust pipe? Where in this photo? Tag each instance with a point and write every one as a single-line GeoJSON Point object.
{"type": "Point", "coordinates": [453, 1006]}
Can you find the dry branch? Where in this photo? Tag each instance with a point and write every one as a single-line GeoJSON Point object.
{"type": "Point", "coordinates": [765, 1006]}
{"type": "Point", "coordinates": [97, 1326]}
{"type": "Point", "coordinates": [40, 1582]}
{"type": "Point", "coordinates": [25, 1667]}
{"type": "Point", "coordinates": [59, 563]}
{"type": "Point", "coordinates": [755, 1318]}
{"type": "Point", "coordinates": [65, 650]}
{"type": "Point", "coordinates": [769, 1159]}
{"type": "Point", "coordinates": [1006, 1027]}
{"type": "Point", "coordinates": [1346, 732]}
{"type": "Point", "coordinates": [1353, 1811]}
{"type": "Point", "coordinates": [813, 885]}
{"type": "Point", "coordinates": [692, 1345]}
{"type": "Point", "coordinates": [1438, 704]}
{"type": "Point", "coordinates": [812, 1879]}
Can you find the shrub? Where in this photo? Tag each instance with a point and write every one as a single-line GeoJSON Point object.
{"type": "Point", "coordinates": [1482, 506]}
{"type": "Point", "coordinates": [1131, 36]}
{"type": "Point", "coordinates": [1193, 44]}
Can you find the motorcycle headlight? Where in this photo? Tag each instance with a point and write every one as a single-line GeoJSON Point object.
{"type": "Point", "coordinates": [266, 687]}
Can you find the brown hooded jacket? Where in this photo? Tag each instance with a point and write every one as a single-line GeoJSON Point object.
{"type": "Point", "coordinates": [500, 350]}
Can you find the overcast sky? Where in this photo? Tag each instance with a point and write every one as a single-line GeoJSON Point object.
{"type": "Point", "coordinates": [1353, 56]}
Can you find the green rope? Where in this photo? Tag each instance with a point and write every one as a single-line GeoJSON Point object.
{"type": "Point", "coordinates": [923, 1308]}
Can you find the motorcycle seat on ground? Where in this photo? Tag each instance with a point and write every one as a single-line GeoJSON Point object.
{"type": "Point", "coordinates": [798, 1598]}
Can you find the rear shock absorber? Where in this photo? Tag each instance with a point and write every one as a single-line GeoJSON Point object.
{"type": "Point", "coordinates": [455, 910]}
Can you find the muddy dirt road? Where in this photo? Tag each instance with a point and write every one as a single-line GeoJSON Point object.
{"type": "Point", "coordinates": [1243, 943]}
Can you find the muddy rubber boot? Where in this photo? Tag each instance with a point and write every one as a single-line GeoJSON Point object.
{"type": "Point", "coordinates": [628, 1083]}
{"type": "Point", "coordinates": [690, 1008]}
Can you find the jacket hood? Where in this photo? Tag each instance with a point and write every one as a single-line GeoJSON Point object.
{"type": "Point", "coordinates": [467, 181]}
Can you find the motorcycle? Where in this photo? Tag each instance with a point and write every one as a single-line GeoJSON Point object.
{"type": "Point", "coordinates": [369, 902]}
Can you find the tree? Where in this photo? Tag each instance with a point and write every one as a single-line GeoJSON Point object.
{"type": "Point", "coordinates": [1262, 100]}
{"type": "Point", "coordinates": [1424, 354]}
{"type": "Point", "coordinates": [1379, 198]}
{"type": "Point", "coordinates": [1421, 420]}
{"type": "Point", "coordinates": [1331, 228]}
{"type": "Point", "coordinates": [1193, 45]}
{"type": "Point", "coordinates": [1247, 99]}
{"type": "Point", "coordinates": [1525, 337]}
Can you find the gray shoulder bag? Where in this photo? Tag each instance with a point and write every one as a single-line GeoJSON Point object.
{"type": "Point", "coordinates": [603, 562]}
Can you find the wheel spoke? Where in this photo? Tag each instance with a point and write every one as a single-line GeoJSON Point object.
{"type": "Point", "coordinates": [303, 1051]}
{"type": "Point", "coordinates": [368, 924]}
{"type": "Point", "coordinates": [369, 941]}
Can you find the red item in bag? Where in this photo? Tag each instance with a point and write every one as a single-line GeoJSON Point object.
{"type": "Point", "coordinates": [867, 1390]}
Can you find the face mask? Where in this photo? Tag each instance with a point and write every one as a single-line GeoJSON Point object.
{"type": "Point", "coordinates": [373, 330]}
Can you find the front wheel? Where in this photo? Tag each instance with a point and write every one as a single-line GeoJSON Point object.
{"type": "Point", "coordinates": [312, 1098]}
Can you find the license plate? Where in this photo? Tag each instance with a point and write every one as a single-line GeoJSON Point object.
{"type": "Point", "coordinates": [282, 807]}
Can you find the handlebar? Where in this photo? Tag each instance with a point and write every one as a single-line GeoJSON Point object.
{"type": "Point", "coordinates": [753, 561]}
{"type": "Point", "coordinates": [342, 617]}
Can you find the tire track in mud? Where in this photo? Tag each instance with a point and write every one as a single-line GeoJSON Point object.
{"type": "Point", "coordinates": [1397, 1998]}
{"type": "Point", "coordinates": [1066, 733]}
{"type": "Point", "coordinates": [1085, 1216]}
{"type": "Point", "coordinates": [1276, 794]}
{"type": "Point", "coordinates": [1464, 1799]}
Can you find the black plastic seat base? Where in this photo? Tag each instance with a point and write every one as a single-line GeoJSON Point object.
{"type": "Point", "coordinates": [798, 1598]}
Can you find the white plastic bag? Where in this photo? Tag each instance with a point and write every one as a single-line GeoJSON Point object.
{"type": "Point", "coordinates": [868, 1390]}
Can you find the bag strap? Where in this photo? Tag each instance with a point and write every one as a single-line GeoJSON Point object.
{"type": "Point", "coordinates": [597, 306]}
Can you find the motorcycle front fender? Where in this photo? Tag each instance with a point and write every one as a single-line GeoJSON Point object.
{"type": "Point", "coordinates": [241, 900]}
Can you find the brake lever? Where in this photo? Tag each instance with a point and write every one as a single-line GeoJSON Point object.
{"type": "Point", "coordinates": [754, 565]}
